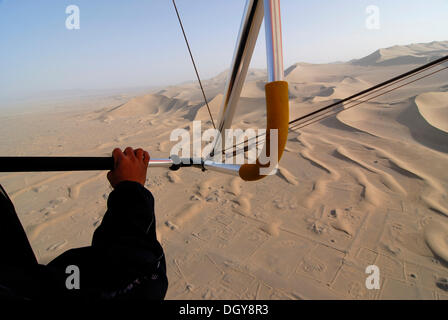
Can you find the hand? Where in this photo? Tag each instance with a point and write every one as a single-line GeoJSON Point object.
{"type": "Point", "coordinates": [129, 166]}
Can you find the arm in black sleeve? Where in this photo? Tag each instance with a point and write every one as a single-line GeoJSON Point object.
{"type": "Point", "coordinates": [127, 238]}
{"type": "Point", "coordinates": [125, 259]}
{"type": "Point", "coordinates": [129, 217]}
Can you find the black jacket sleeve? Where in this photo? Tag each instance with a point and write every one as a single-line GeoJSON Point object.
{"type": "Point", "coordinates": [125, 260]}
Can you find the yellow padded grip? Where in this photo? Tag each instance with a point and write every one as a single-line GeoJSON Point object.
{"type": "Point", "coordinates": [277, 107]}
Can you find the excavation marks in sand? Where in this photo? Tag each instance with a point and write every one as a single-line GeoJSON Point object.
{"type": "Point", "coordinates": [285, 202]}
{"type": "Point", "coordinates": [204, 188]}
{"type": "Point", "coordinates": [57, 212]}
{"type": "Point", "coordinates": [322, 264]}
{"type": "Point", "coordinates": [74, 190]}
{"type": "Point", "coordinates": [342, 221]}
{"type": "Point", "coordinates": [184, 215]}
{"type": "Point", "coordinates": [34, 186]}
{"type": "Point", "coordinates": [33, 231]}
{"type": "Point", "coordinates": [173, 177]}
{"type": "Point", "coordinates": [57, 246]}
{"type": "Point", "coordinates": [214, 191]}
{"type": "Point", "coordinates": [205, 195]}
{"type": "Point", "coordinates": [209, 195]}
{"type": "Point", "coordinates": [346, 221]}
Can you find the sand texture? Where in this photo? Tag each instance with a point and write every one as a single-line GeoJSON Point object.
{"type": "Point", "coordinates": [368, 186]}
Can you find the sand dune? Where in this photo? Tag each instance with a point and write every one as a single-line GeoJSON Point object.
{"type": "Point", "coordinates": [214, 105]}
{"type": "Point", "coordinates": [151, 104]}
{"type": "Point", "coordinates": [412, 54]}
{"type": "Point", "coordinates": [433, 106]}
{"type": "Point", "coordinates": [367, 186]}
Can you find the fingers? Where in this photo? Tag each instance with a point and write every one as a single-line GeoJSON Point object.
{"type": "Point", "coordinates": [146, 157]}
{"type": "Point", "coordinates": [129, 152]}
{"type": "Point", "coordinates": [139, 153]}
{"type": "Point", "coordinates": [142, 155]}
{"type": "Point", "coordinates": [118, 155]}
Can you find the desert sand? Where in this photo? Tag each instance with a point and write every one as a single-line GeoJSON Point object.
{"type": "Point", "coordinates": [367, 187]}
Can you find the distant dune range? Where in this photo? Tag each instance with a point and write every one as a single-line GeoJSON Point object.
{"type": "Point", "coordinates": [368, 186]}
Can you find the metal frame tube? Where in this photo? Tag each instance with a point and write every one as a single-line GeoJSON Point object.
{"type": "Point", "coordinates": [249, 30]}
{"type": "Point", "coordinates": [48, 164]}
{"type": "Point", "coordinates": [274, 45]}
{"type": "Point", "coordinates": [232, 169]}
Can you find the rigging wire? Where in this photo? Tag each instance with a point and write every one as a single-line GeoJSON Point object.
{"type": "Point", "coordinates": [316, 118]}
{"type": "Point", "coordinates": [363, 94]}
{"type": "Point", "coordinates": [381, 85]}
{"type": "Point", "coordinates": [194, 64]}
{"type": "Point", "coordinates": [307, 123]}
{"type": "Point", "coordinates": [327, 111]}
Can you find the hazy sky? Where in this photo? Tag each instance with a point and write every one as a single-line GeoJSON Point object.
{"type": "Point", "coordinates": [139, 43]}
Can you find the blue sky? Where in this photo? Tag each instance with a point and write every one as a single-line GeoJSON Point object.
{"type": "Point", "coordinates": [138, 42]}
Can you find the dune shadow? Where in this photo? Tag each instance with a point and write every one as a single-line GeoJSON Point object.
{"type": "Point", "coordinates": [422, 131]}
{"type": "Point", "coordinates": [334, 123]}
{"type": "Point", "coordinates": [193, 111]}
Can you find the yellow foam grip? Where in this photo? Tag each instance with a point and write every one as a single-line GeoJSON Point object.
{"type": "Point", "coordinates": [277, 106]}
